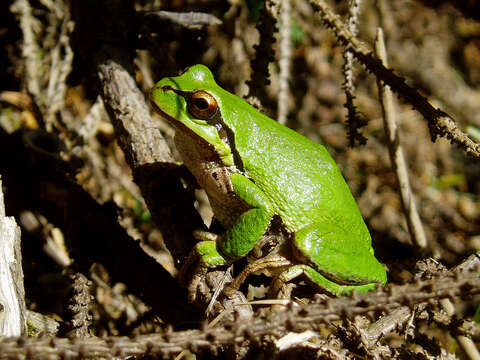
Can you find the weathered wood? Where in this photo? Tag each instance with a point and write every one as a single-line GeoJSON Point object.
{"type": "Point", "coordinates": [12, 293]}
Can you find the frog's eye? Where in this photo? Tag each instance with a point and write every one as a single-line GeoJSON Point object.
{"type": "Point", "coordinates": [202, 105]}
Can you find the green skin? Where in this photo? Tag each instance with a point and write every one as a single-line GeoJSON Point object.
{"type": "Point", "coordinates": [261, 169]}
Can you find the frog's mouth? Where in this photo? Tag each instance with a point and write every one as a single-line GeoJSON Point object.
{"type": "Point", "coordinates": [178, 124]}
{"type": "Point", "coordinates": [160, 112]}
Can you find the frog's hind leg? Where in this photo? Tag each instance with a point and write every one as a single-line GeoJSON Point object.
{"type": "Point", "coordinates": [269, 262]}
{"type": "Point", "coordinates": [317, 280]}
{"type": "Point", "coordinates": [344, 257]}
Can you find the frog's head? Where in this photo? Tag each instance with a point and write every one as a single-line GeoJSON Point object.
{"type": "Point", "coordinates": [192, 103]}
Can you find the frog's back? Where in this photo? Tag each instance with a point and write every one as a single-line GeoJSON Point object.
{"type": "Point", "coordinates": [298, 175]}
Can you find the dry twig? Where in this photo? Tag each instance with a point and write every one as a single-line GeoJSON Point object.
{"type": "Point", "coordinates": [285, 60]}
{"type": "Point", "coordinates": [48, 61]}
{"type": "Point", "coordinates": [415, 227]}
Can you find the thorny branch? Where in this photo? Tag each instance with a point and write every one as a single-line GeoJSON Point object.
{"type": "Point", "coordinates": [81, 301]}
{"type": "Point", "coordinates": [439, 122]}
{"type": "Point", "coordinates": [276, 324]}
{"type": "Point", "coordinates": [354, 121]}
{"type": "Point", "coordinates": [264, 54]}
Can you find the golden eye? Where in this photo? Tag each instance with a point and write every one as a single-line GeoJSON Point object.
{"type": "Point", "coordinates": [202, 105]}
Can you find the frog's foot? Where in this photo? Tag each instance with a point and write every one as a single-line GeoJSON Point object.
{"type": "Point", "coordinates": [195, 254]}
{"type": "Point", "coordinates": [316, 279]}
{"type": "Point", "coordinates": [203, 256]}
{"type": "Point", "coordinates": [268, 262]}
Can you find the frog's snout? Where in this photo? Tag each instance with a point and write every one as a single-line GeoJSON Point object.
{"type": "Point", "coordinates": [160, 87]}
{"type": "Point", "coordinates": [156, 89]}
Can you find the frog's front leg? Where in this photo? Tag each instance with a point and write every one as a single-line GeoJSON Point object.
{"type": "Point", "coordinates": [238, 240]}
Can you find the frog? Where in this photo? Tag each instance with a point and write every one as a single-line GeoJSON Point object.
{"type": "Point", "coordinates": [257, 172]}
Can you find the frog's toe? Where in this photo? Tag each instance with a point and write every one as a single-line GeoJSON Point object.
{"type": "Point", "coordinates": [193, 287]}
{"type": "Point", "coordinates": [185, 273]}
{"type": "Point", "coordinates": [209, 255]}
{"type": "Point", "coordinates": [287, 275]}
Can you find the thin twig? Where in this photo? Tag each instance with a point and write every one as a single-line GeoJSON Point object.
{"type": "Point", "coordinates": [30, 49]}
{"type": "Point", "coordinates": [190, 20]}
{"type": "Point", "coordinates": [49, 57]}
{"type": "Point", "coordinates": [415, 227]}
{"type": "Point", "coordinates": [285, 60]}
{"type": "Point", "coordinates": [60, 68]}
